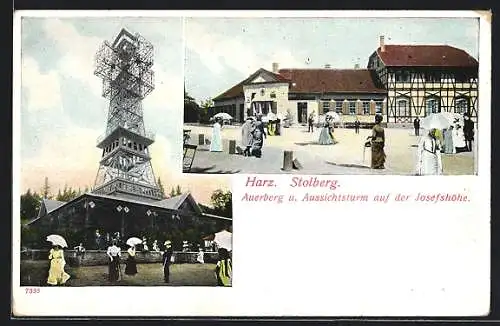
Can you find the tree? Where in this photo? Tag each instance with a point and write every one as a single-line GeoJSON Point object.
{"type": "Point", "coordinates": [30, 205]}
{"type": "Point", "coordinates": [205, 110]}
{"type": "Point", "coordinates": [162, 189]}
{"type": "Point", "coordinates": [67, 194]}
{"type": "Point", "coordinates": [191, 109]}
{"type": "Point", "coordinates": [222, 202]}
{"type": "Point", "coordinates": [178, 190]}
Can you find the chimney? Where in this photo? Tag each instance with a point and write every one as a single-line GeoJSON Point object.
{"type": "Point", "coordinates": [356, 66]}
{"type": "Point", "coordinates": [275, 67]}
{"type": "Point", "coordinates": [382, 43]}
{"type": "Point", "coordinates": [328, 66]}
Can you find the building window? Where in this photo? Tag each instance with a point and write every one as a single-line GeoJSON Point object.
{"type": "Point", "coordinates": [461, 105]}
{"type": "Point", "coordinates": [432, 106]}
{"type": "Point", "coordinates": [262, 92]}
{"type": "Point", "coordinates": [338, 106]}
{"type": "Point", "coordinates": [378, 107]}
{"type": "Point", "coordinates": [352, 107]}
{"type": "Point", "coordinates": [326, 107]}
{"type": "Point", "coordinates": [402, 76]}
{"type": "Point", "coordinates": [366, 108]}
{"type": "Point", "coordinates": [433, 77]}
{"type": "Point", "coordinates": [402, 108]}
{"type": "Point", "coordinates": [273, 95]}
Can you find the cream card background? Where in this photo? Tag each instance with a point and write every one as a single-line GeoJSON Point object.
{"type": "Point", "coordinates": [407, 259]}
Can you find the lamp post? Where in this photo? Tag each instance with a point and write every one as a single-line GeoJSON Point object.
{"type": "Point", "coordinates": [123, 210]}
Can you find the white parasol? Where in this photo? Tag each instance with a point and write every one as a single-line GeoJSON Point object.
{"type": "Point", "coordinates": [224, 239]}
{"type": "Point", "coordinates": [334, 115]}
{"type": "Point", "coordinates": [57, 240]}
{"type": "Point", "coordinates": [223, 116]}
{"type": "Point", "coordinates": [435, 121]}
{"type": "Point", "coordinates": [453, 118]}
{"type": "Point", "coordinates": [271, 116]}
{"type": "Point", "coordinates": [134, 241]}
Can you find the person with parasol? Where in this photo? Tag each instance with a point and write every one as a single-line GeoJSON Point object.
{"type": "Point", "coordinates": [130, 263]}
{"type": "Point", "coordinates": [114, 254]}
{"type": "Point", "coordinates": [57, 275]}
{"type": "Point", "coordinates": [429, 148]}
{"type": "Point", "coordinates": [216, 141]}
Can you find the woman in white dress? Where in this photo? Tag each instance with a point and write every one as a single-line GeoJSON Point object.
{"type": "Point", "coordinates": [216, 141]}
{"type": "Point", "coordinates": [429, 155]}
{"type": "Point", "coordinates": [459, 139]}
{"type": "Point", "coordinates": [114, 254]}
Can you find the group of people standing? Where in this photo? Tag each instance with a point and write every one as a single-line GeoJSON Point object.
{"type": "Point", "coordinates": [326, 135]}
{"type": "Point", "coordinates": [252, 136]}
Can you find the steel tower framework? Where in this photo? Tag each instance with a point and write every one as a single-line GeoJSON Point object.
{"type": "Point", "coordinates": [125, 69]}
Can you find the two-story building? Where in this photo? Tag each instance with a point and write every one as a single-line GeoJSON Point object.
{"type": "Point", "coordinates": [424, 79]}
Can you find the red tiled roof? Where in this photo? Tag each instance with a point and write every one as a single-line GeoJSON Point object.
{"type": "Point", "coordinates": [331, 81]}
{"type": "Point", "coordinates": [237, 90]}
{"type": "Point", "coordinates": [425, 55]}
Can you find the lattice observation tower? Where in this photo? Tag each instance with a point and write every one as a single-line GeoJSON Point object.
{"type": "Point", "coordinates": [125, 69]}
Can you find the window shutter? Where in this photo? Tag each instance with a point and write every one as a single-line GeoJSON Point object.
{"type": "Point", "coordinates": [359, 107]}
{"type": "Point", "coordinates": [373, 109]}
{"type": "Point", "coordinates": [384, 107]}
{"type": "Point", "coordinates": [345, 107]}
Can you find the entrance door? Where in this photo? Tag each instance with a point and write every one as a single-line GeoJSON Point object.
{"type": "Point", "coordinates": [302, 112]}
{"type": "Point", "coordinates": [241, 113]}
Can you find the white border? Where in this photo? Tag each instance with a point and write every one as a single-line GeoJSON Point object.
{"type": "Point", "coordinates": [87, 301]}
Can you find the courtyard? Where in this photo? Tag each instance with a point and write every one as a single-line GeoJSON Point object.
{"type": "Point", "coordinates": [348, 156]}
{"type": "Point", "coordinates": [34, 273]}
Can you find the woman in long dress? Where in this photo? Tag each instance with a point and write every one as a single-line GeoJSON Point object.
{"type": "Point", "coordinates": [223, 269]}
{"type": "Point", "coordinates": [216, 141]}
{"type": "Point", "coordinates": [131, 265]}
{"type": "Point", "coordinates": [246, 135]}
{"type": "Point", "coordinates": [324, 135]}
{"type": "Point", "coordinates": [459, 139]}
{"type": "Point", "coordinates": [114, 254]}
{"type": "Point", "coordinates": [429, 155]}
{"type": "Point", "coordinates": [377, 144]}
{"type": "Point", "coordinates": [257, 141]}
{"type": "Point", "coordinates": [57, 275]}
{"type": "Point", "coordinates": [449, 146]}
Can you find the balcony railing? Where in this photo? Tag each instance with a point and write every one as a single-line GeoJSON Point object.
{"type": "Point", "coordinates": [148, 134]}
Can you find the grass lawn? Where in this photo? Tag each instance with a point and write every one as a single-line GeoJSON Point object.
{"type": "Point", "coordinates": [34, 273]}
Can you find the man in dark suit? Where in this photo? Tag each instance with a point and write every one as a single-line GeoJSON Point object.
{"type": "Point", "coordinates": [167, 255]}
{"type": "Point", "coordinates": [416, 125]}
{"type": "Point", "coordinates": [356, 126]}
{"type": "Point", "coordinates": [468, 132]}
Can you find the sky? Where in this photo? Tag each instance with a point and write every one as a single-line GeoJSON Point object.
{"type": "Point", "coordinates": [221, 52]}
{"type": "Point", "coordinates": [62, 111]}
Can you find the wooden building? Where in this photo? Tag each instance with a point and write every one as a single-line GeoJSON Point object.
{"type": "Point", "coordinates": [79, 218]}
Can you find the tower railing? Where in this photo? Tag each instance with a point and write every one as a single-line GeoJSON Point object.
{"type": "Point", "coordinates": [147, 134]}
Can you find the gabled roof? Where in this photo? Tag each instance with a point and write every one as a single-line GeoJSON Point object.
{"type": "Point", "coordinates": [48, 205]}
{"type": "Point", "coordinates": [331, 81]}
{"type": "Point", "coordinates": [237, 90]}
{"type": "Point", "coordinates": [172, 204]}
{"type": "Point", "coordinates": [425, 56]}
{"type": "Point", "coordinates": [177, 201]}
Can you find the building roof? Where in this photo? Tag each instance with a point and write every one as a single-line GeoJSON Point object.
{"type": "Point", "coordinates": [331, 81]}
{"type": "Point", "coordinates": [425, 56]}
{"type": "Point", "coordinates": [171, 204]}
{"type": "Point", "coordinates": [237, 90]}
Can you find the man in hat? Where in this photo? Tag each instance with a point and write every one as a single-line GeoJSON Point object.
{"type": "Point", "coordinates": [167, 254]}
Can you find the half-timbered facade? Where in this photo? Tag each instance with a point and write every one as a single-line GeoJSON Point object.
{"type": "Point", "coordinates": [424, 79]}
